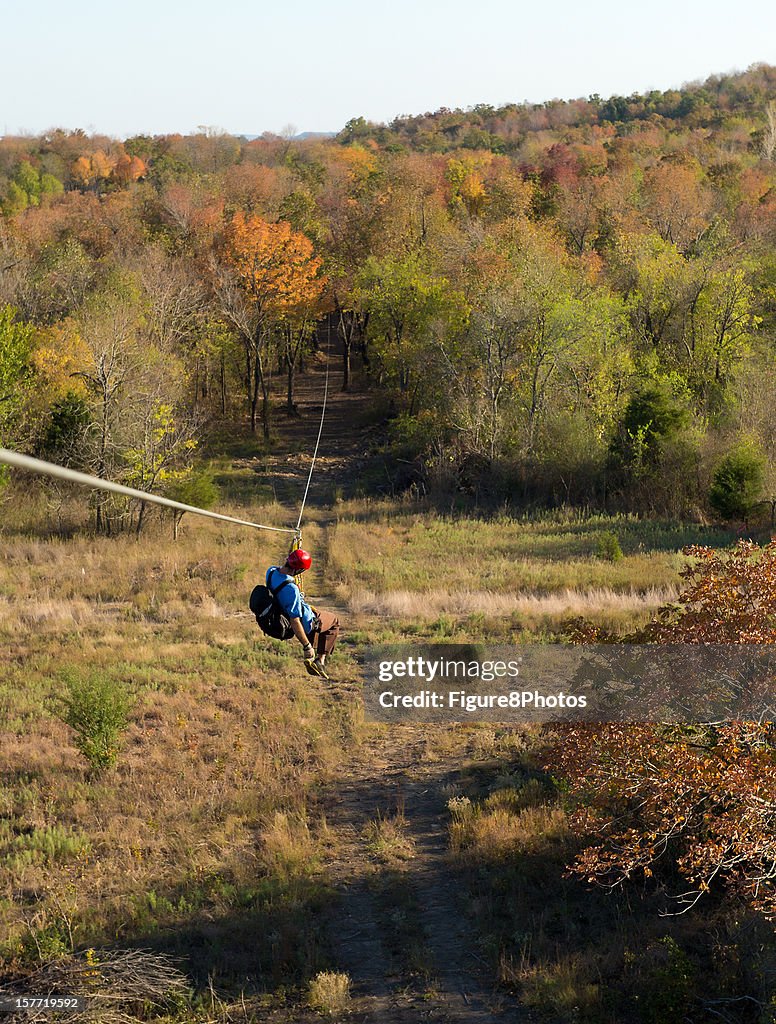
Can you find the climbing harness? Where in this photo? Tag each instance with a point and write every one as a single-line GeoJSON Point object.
{"type": "Point", "coordinates": [295, 545]}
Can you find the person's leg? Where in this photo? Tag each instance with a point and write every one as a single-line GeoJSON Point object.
{"type": "Point", "coordinates": [326, 636]}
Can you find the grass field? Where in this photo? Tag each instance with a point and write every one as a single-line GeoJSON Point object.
{"type": "Point", "coordinates": [501, 577]}
{"type": "Point", "coordinates": [207, 819]}
{"type": "Point", "coordinates": [212, 837]}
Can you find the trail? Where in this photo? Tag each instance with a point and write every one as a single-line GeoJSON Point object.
{"type": "Point", "coordinates": [400, 930]}
{"type": "Point", "coordinates": [345, 440]}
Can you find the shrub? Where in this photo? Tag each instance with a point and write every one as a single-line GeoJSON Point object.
{"type": "Point", "coordinates": [738, 483]}
{"type": "Point", "coordinates": [65, 431]}
{"type": "Point", "coordinates": [667, 982]}
{"type": "Point", "coordinates": [46, 845]}
{"type": "Point", "coordinates": [607, 546]}
{"type": "Point", "coordinates": [198, 489]}
{"type": "Point", "coordinates": [96, 708]}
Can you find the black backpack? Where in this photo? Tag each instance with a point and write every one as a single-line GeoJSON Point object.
{"type": "Point", "coordinates": [269, 615]}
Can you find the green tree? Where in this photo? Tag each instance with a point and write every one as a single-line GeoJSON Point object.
{"type": "Point", "coordinates": [64, 435]}
{"type": "Point", "coordinates": [653, 455]}
{"type": "Point", "coordinates": [197, 488]}
{"type": "Point", "coordinates": [721, 325]}
{"type": "Point", "coordinates": [656, 281]}
{"type": "Point", "coordinates": [26, 188]}
{"type": "Point", "coordinates": [16, 200]}
{"type": "Point", "coordinates": [738, 482]}
{"type": "Point", "coordinates": [406, 303]}
{"type": "Point", "coordinates": [652, 418]}
{"type": "Point", "coordinates": [545, 338]}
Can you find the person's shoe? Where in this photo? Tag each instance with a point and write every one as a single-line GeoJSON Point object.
{"type": "Point", "coordinates": [316, 668]}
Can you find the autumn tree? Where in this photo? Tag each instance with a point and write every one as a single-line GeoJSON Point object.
{"type": "Point", "coordinates": [699, 800]}
{"type": "Point", "coordinates": [109, 324]}
{"type": "Point", "coordinates": [60, 276]}
{"type": "Point", "coordinates": [58, 400]}
{"type": "Point", "coordinates": [140, 429]}
{"type": "Point", "coordinates": [175, 298]}
{"type": "Point", "coordinates": [92, 170]}
{"type": "Point", "coordinates": [266, 275]}
{"type": "Point", "coordinates": [163, 440]}
{"type": "Point", "coordinates": [768, 144]}
{"type": "Point", "coordinates": [352, 203]}
{"type": "Point", "coordinates": [678, 203]}
{"type": "Point", "coordinates": [128, 169]}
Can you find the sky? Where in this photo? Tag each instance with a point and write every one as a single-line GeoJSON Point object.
{"type": "Point", "coordinates": [249, 66]}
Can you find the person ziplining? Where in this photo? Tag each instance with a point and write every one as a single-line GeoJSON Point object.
{"type": "Point", "coordinates": [280, 606]}
{"type": "Point", "coordinates": [316, 631]}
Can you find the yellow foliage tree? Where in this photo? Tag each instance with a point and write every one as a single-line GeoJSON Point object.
{"type": "Point", "coordinates": [60, 354]}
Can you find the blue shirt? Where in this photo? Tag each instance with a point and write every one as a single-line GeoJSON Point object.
{"type": "Point", "coordinates": [290, 598]}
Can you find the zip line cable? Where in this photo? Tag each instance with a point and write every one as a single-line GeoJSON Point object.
{"type": "Point", "coordinates": [298, 530]}
{"type": "Point", "coordinates": [51, 469]}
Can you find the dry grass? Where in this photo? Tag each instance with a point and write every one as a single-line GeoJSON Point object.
{"type": "Point", "coordinates": [288, 847]}
{"type": "Point", "coordinates": [567, 987]}
{"type": "Point", "coordinates": [86, 579]}
{"type": "Point", "coordinates": [406, 604]}
{"type": "Point", "coordinates": [410, 568]}
{"type": "Point", "coordinates": [208, 829]}
{"type": "Point", "coordinates": [495, 831]}
{"type": "Point", "coordinates": [210, 815]}
{"type": "Point", "coordinates": [329, 992]}
{"type": "Point", "coordinates": [388, 841]}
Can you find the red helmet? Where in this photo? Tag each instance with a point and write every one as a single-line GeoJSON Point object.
{"type": "Point", "coordinates": [299, 560]}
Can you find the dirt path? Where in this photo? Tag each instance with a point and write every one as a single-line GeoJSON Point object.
{"type": "Point", "coordinates": [345, 439]}
{"type": "Point", "coordinates": [398, 927]}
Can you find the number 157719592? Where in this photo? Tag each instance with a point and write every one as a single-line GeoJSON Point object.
{"type": "Point", "coordinates": [18, 1004]}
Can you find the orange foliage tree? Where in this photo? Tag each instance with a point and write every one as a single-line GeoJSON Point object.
{"type": "Point", "coordinates": [128, 169]}
{"type": "Point", "coordinates": [89, 171]}
{"type": "Point", "coordinates": [267, 278]}
{"type": "Point", "coordinates": [699, 800]}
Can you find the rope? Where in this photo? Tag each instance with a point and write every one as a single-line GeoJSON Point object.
{"type": "Point", "coordinates": [320, 431]}
{"type": "Point", "coordinates": [51, 469]}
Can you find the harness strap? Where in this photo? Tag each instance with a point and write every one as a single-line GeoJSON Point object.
{"type": "Point", "coordinates": [285, 583]}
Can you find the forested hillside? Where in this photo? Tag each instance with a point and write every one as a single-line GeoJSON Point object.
{"type": "Point", "coordinates": [570, 302]}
